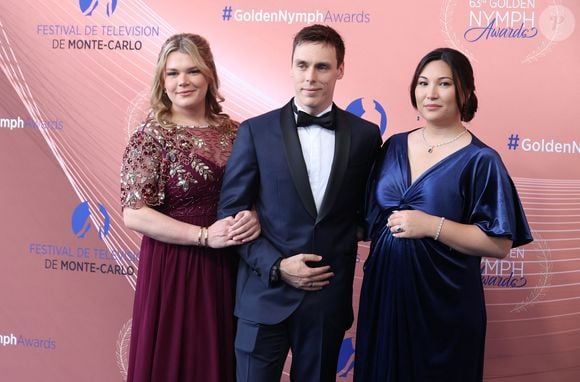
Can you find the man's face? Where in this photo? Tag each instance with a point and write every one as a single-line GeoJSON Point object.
{"type": "Point", "coordinates": [315, 71]}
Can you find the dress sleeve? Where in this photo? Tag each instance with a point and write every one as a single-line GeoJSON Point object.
{"type": "Point", "coordinates": [235, 125]}
{"type": "Point", "coordinates": [374, 216]}
{"type": "Point", "coordinates": [493, 202]}
{"type": "Point", "coordinates": [142, 182]}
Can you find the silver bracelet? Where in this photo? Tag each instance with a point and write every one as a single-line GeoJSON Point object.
{"type": "Point", "coordinates": [436, 237]}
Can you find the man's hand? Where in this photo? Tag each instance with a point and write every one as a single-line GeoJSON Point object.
{"type": "Point", "coordinates": [294, 271]}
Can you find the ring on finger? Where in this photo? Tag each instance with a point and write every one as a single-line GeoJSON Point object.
{"type": "Point", "coordinates": [399, 229]}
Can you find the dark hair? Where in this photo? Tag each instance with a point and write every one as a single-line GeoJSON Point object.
{"type": "Point", "coordinates": [462, 79]}
{"type": "Point", "coordinates": [198, 49]}
{"type": "Point", "coordinates": [320, 34]}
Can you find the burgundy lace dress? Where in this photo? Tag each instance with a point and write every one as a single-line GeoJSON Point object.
{"type": "Point", "coordinates": [183, 324]}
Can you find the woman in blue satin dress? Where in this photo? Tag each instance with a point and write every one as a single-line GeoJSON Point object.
{"type": "Point", "coordinates": [438, 200]}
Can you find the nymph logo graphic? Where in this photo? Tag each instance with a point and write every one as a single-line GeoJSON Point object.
{"type": "Point", "coordinates": [88, 7]}
{"type": "Point", "coordinates": [81, 220]}
{"type": "Point", "coordinates": [371, 110]}
{"type": "Point", "coordinates": [526, 29]}
{"type": "Point", "coordinates": [345, 359]}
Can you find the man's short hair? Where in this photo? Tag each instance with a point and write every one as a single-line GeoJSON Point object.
{"type": "Point", "coordinates": [322, 34]}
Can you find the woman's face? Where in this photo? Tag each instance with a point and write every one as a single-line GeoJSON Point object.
{"type": "Point", "coordinates": [435, 94]}
{"type": "Point", "coordinates": [185, 85]}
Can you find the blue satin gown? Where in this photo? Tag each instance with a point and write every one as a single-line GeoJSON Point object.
{"type": "Point", "coordinates": [422, 310]}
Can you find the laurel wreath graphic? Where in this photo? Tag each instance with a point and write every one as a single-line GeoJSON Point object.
{"type": "Point", "coordinates": [445, 20]}
{"type": "Point", "coordinates": [539, 291]}
{"type": "Point", "coordinates": [545, 46]}
{"type": "Point", "coordinates": [136, 112]}
{"type": "Point", "coordinates": [122, 351]}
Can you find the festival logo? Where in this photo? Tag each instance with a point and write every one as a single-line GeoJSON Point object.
{"type": "Point", "coordinates": [95, 35]}
{"type": "Point", "coordinates": [371, 110]}
{"type": "Point", "coordinates": [524, 30]}
{"type": "Point", "coordinates": [81, 220]}
{"type": "Point", "coordinates": [88, 7]}
{"type": "Point", "coordinates": [70, 257]}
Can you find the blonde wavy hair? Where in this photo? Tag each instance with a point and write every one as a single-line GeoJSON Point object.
{"type": "Point", "coordinates": [198, 49]}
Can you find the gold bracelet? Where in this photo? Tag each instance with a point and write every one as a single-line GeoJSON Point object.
{"type": "Point", "coordinates": [199, 237]}
{"type": "Point", "coordinates": [436, 237]}
{"type": "Point", "coordinates": [206, 234]}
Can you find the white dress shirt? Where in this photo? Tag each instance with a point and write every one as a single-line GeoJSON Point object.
{"type": "Point", "coordinates": [318, 152]}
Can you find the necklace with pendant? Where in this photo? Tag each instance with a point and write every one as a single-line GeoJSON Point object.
{"type": "Point", "coordinates": [431, 147]}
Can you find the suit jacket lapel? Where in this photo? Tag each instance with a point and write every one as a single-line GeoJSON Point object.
{"type": "Point", "coordinates": [339, 163]}
{"type": "Point", "coordinates": [296, 159]}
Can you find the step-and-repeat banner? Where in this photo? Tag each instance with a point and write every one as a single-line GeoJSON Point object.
{"type": "Point", "coordinates": [74, 82]}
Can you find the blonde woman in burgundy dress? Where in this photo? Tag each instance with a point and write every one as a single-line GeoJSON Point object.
{"type": "Point", "coordinates": [183, 323]}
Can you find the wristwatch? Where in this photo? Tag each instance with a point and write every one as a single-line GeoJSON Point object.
{"type": "Point", "coordinates": [275, 272]}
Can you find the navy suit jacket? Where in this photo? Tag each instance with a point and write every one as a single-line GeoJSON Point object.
{"type": "Point", "coordinates": [266, 170]}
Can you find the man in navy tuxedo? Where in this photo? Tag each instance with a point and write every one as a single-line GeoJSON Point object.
{"type": "Point", "coordinates": [304, 168]}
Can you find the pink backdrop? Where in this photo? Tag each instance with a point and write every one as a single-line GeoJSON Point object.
{"type": "Point", "coordinates": [75, 78]}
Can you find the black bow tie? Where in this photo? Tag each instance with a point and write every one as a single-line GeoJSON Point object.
{"type": "Point", "coordinates": [326, 120]}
